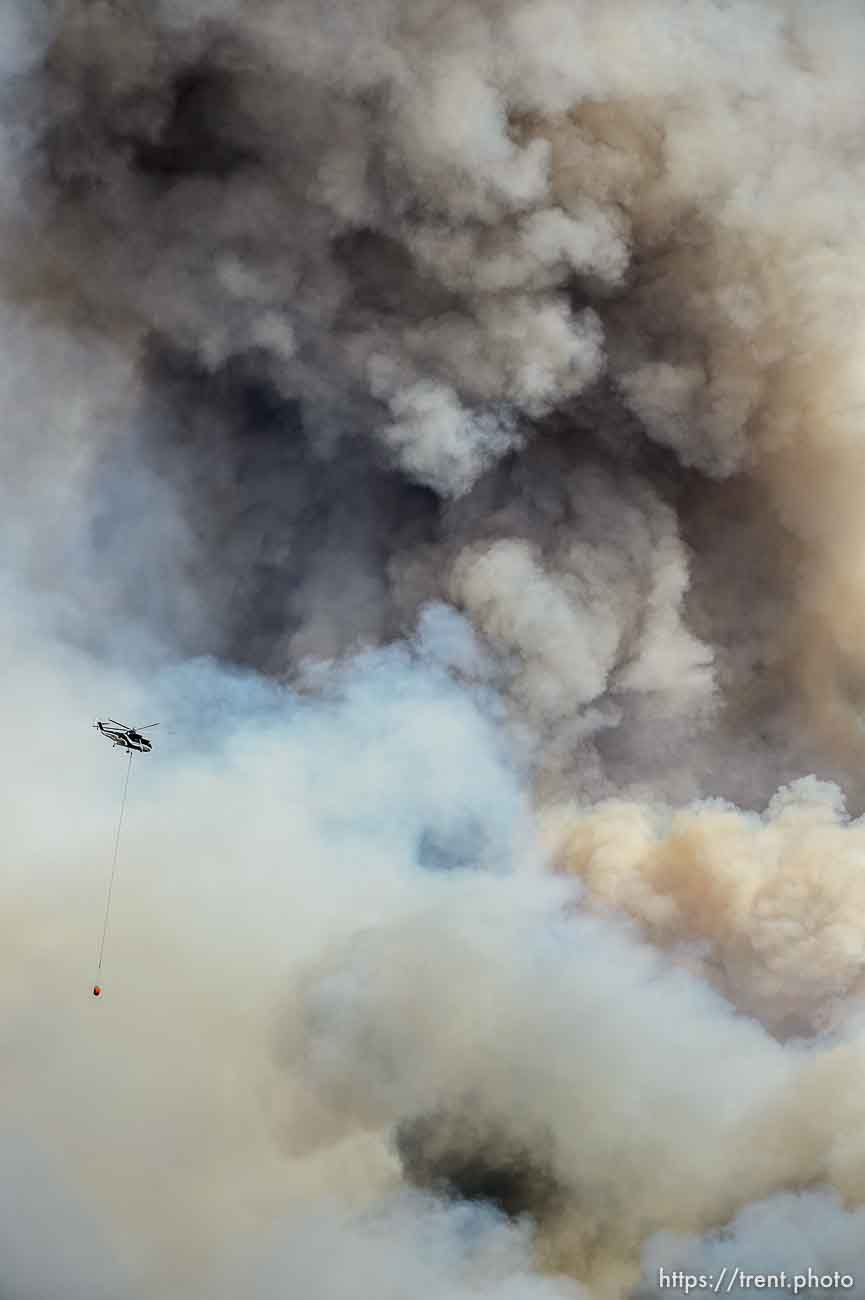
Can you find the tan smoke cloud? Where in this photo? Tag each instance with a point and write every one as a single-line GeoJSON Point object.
{"type": "Point", "coordinates": [646, 1101]}
{"type": "Point", "coordinates": [728, 346]}
{"type": "Point", "coordinates": [768, 908]}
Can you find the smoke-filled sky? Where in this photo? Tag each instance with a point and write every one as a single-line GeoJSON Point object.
{"type": "Point", "coordinates": [448, 421]}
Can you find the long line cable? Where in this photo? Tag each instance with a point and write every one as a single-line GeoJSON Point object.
{"type": "Point", "coordinates": [114, 862]}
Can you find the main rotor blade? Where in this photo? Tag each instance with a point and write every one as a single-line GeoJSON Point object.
{"type": "Point", "coordinates": [147, 728]}
{"type": "Point", "coordinates": [119, 724]}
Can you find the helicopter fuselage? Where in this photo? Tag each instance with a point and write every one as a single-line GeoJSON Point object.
{"type": "Point", "coordinates": [130, 740]}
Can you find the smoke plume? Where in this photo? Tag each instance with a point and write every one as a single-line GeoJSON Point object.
{"type": "Point", "coordinates": [446, 421]}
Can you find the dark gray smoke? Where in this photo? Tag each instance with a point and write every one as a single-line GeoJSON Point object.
{"type": "Point", "coordinates": [388, 347]}
{"type": "Point", "coordinates": [467, 1158]}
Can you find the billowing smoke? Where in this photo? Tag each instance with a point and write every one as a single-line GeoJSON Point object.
{"type": "Point", "coordinates": [447, 421]}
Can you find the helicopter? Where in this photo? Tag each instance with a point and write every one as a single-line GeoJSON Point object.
{"type": "Point", "coordinates": [126, 737]}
